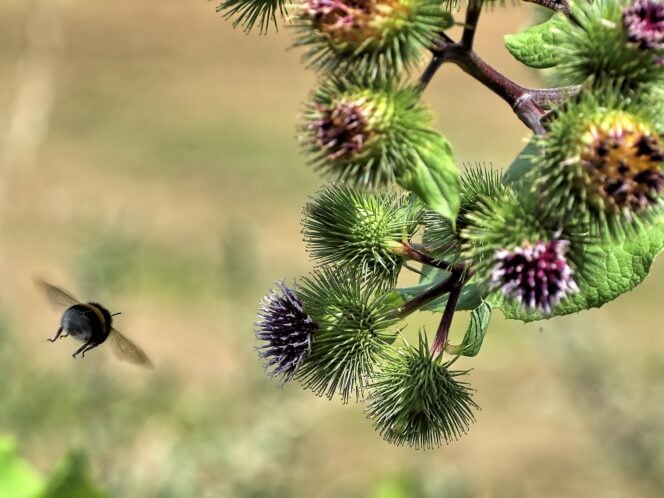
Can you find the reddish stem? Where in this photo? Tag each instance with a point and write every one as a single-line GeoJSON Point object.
{"type": "Point", "coordinates": [557, 5]}
{"type": "Point", "coordinates": [443, 331]}
{"type": "Point", "coordinates": [428, 296]}
{"type": "Point", "coordinates": [416, 253]}
{"type": "Point", "coordinates": [528, 103]}
{"type": "Point", "coordinates": [470, 26]}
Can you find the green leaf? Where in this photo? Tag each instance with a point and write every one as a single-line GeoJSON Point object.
{"type": "Point", "coordinates": [477, 328]}
{"type": "Point", "coordinates": [470, 298]}
{"type": "Point", "coordinates": [394, 299]}
{"type": "Point", "coordinates": [522, 164]}
{"type": "Point", "coordinates": [613, 266]}
{"type": "Point", "coordinates": [72, 479]}
{"type": "Point", "coordinates": [433, 176]}
{"type": "Point", "coordinates": [536, 46]}
{"type": "Point", "coordinates": [17, 478]}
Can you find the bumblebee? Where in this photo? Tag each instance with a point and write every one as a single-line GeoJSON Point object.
{"type": "Point", "coordinates": [92, 324]}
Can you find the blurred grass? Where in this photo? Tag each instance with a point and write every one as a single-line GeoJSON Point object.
{"type": "Point", "coordinates": [170, 188]}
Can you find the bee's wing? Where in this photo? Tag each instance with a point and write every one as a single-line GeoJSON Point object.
{"type": "Point", "coordinates": [56, 296]}
{"type": "Point", "coordinates": [127, 350]}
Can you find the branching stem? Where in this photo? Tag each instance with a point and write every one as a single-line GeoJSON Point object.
{"type": "Point", "coordinates": [557, 5]}
{"type": "Point", "coordinates": [529, 104]}
{"type": "Point", "coordinates": [440, 289]}
{"type": "Point", "coordinates": [470, 26]}
{"type": "Point", "coordinates": [416, 253]}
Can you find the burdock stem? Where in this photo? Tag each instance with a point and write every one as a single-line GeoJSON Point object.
{"type": "Point", "coordinates": [556, 5]}
{"type": "Point", "coordinates": [443, 331]}
{"type": "Point", "coordinates": [470, 26]}
{"type": "Point", "coordinates": [417, 253]}
{"type": "Point", "coordinates": [459, 275]}
{"type": "Point", "coordinates": [529, 104]}
{"type": "Point", "coordinates": [429, 295]}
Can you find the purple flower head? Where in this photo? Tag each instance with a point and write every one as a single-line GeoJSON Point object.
{"type": "Point", "coordinates": [286, 331]}
{"type": "Point", "coordinates": [644, 22]}
{"type": "Point", "coordinates": [336, 13]}
{"type": "Point", "coordinates": [351, 22]}
{"type": "Point", "coordinates": [537, 276]}
{"type": "Point", "coordinates": [342, 129]}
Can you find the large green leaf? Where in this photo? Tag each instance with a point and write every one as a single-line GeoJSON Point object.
{"type": "Point", "coordinates": [72, 480]}
{"type": "Point", "coordinates": [432, 175]}
{"type": "Point", "coordinates": [537, 46]}
{"type": "Point", "coordinates": [17, 478]}
{"type": "Point", "coordinates": [613, 266]}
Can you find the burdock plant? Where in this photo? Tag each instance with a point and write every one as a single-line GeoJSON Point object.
{"type": "Point", "coordinates": [574, 222]}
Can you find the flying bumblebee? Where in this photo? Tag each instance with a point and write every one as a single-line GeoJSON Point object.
{"type": "Point", "coordinates": [91, 324]}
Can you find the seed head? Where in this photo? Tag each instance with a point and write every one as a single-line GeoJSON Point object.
{"type": "Point", "coordinates": [604, 42]}
{"type": "Point", "coordinates": [377, 37]}
{"type": "Point", "coordinates": [359, 229]}
{"type": "Point", "coordinates": [362, 131]}
{"type": "Point", "coordinates": [354, 316]}
{"type": "Point", "coordinates": [622, 161]}
{"type": "Point", "coordinates": [340, 129]}
{"type": "Point", "coordinates": [286, 331]}
{"type": "Point", "coordinates": [346, 21]}
{"type": "Point", "coordinates": [418, 400]}
{"type": "Point", "coordinates": [643, 21]}
{"type": "Point", "coordinates": [537, 275]}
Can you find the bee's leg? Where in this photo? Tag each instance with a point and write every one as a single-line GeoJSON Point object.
{"type": "Point", "coordinates": [57, 334]}
{"type": "Point", "coordinates": [90, 346]}
{"type": "Point", "coordinates": [80, 350]}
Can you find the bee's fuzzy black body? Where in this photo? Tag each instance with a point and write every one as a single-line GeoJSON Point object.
{"type": "Point", "coordinates": [89, 323]}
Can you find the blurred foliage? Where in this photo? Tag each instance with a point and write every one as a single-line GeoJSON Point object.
{"type": "Point", "coordinates": [626, 422]}
{"type": "Point", "coordinates": [70, 479]}
{"type": "Point", "coordinates": [411, 485]}
{"type": "Point", "coordinates": [240, 264]}
{"type": "Point", "coordinates": [107, 262]}
{"type": "Point", "coordinates": [17, 478]}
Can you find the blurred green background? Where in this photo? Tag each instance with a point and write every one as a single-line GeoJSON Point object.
{"type": "Point", "coordinates": [148, 161]}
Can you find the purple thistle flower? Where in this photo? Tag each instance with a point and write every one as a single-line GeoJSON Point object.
{"type": "Point", "coordinates": [340, 14]}
{"type": "Point", "coordinates": [348, 21]}
{"type": "Point", "coordinates": [644, 22]}
{"type": "Point", "coordinates": [286, 330]}
{"type": "Point", "coordinates": [537, 276]}
{"type": "Point", "coordinates": [342, 129]}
